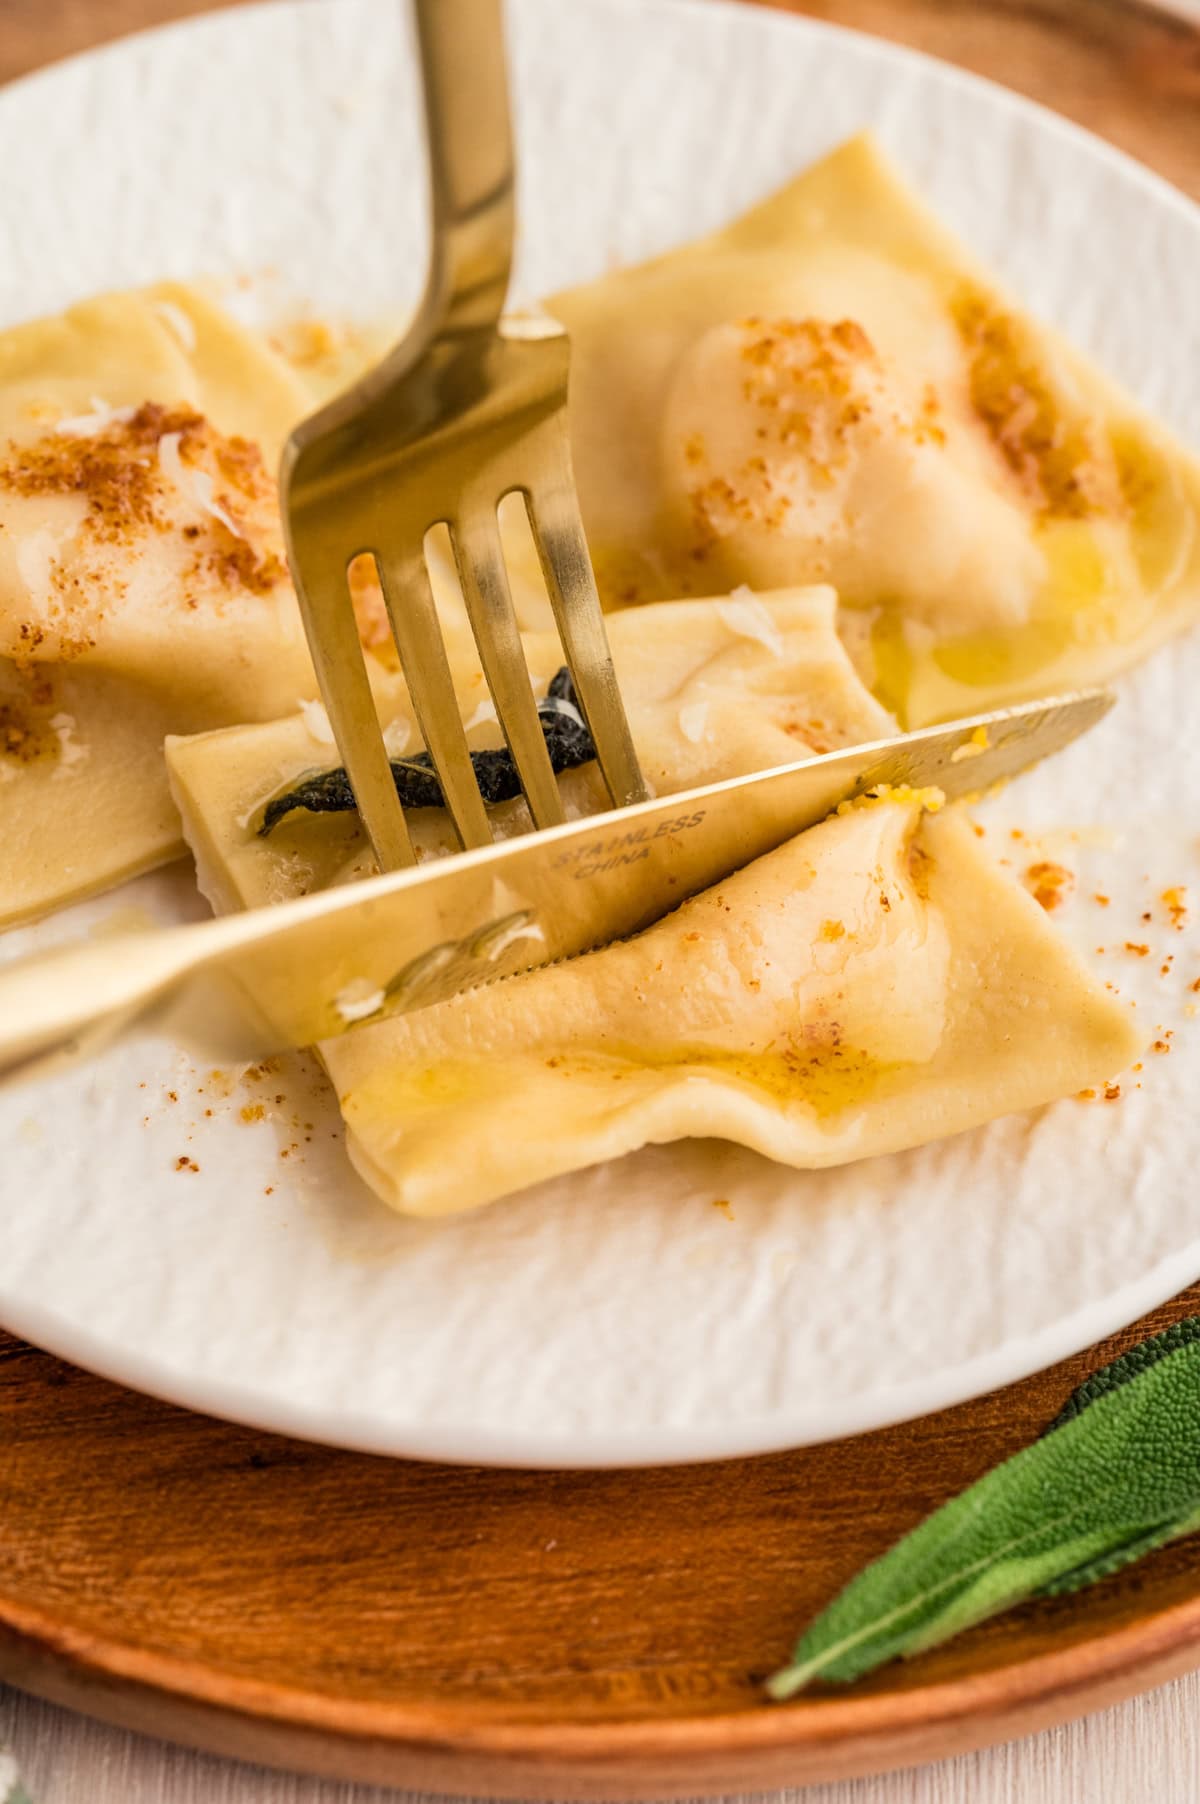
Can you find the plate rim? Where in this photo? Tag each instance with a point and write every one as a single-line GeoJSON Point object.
{"type": "Point", "coordinates": [831, 1738]}
{"type": "Point", "coordinates": [469, 1445]}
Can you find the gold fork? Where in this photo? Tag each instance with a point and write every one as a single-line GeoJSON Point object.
{"type": "Point", "coordinates": [464, 411]}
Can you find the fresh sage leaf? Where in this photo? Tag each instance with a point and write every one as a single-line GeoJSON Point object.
{"type": "Point", "coordinates": [1108, 1563]}
{"type": "Point", "coordinates": [1117, 1475]}
{"type": "Point", "coordinates": [1119, 1371]}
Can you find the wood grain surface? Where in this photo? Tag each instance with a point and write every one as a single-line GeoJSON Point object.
{"type": "Point", "coordinates": [1144, 1751]}
{"type": "Point", "coordinates": [565, 1634]}
{"type": "Point", "coordinates": [520, 1634]}
{"type": "Point", "coordinates": [1129, 71]}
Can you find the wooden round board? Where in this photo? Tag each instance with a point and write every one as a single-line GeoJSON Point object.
{"type": "Point", "coordinates": [583, 1634]}
{"type": "Point", "coordinates": [571, 1634]}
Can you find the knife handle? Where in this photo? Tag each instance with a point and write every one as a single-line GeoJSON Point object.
{"type": "Point", "coordinates": [68, 1004]}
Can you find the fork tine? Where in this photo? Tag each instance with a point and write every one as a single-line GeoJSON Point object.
{"type": "Point", "coordinates": [562, 549]}
{"type": "Point", "coordinates": [481, 571]}
{"type": "Point", "coordinates": [404, 578]}
{"type": "Point", "coordinates": [323, 592]}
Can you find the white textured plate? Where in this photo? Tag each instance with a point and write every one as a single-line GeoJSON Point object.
{"type": "Point", "coordinates": [618, 1315]}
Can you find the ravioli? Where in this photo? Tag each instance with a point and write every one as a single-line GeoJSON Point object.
{"type": "Point", "coordinates": [829, 390]}
{"type": "Point", "coordinates": [143, 587]}
{"type": "Point", "coordinates": [874, 984]}
{"type": "Point", "coordinates": [713, 688]}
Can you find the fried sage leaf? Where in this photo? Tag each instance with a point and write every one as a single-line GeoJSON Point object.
{"type": "Point", "coordinates": [567, 740]}
{"type": "Point", "coordinates": [1117, 1475]}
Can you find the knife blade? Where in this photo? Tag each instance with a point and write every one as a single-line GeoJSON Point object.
{"type": "Point", "coordinates": [251, 984]}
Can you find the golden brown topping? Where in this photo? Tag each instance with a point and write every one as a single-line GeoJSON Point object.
{"type": "Point", "coordinates": [24, 738]}
{"type": "Point", "coordinates": [804, 376]}
{"type": "Point", "coordinates": [1065, 464]}
{"type": "Point", "coordinates": [1176, 900]}
{"type": "Point", "coordinates": [32, 729]}
{"type": "Point", "coordinates": [306, 341]}
{"type": "Point", "coordinates": [1051, 884]}
{"type": "Point", "coordinates": [817, 734]}
{"type": "Point", "coordinates": [718, 509]}
{"type": "Point", "coordinates": [240, 566]}
{"type": "Point", "coordinates": [111, 468]}
{"type": "Point", "coordinates": [929, 427]}
{"type": "Point", "coordinates": [810, 388]}
{"type": "Point", "coordinates": [129, 472]}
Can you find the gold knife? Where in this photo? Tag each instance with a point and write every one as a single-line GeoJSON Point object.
{"type": "Point", "coordinates": [255, 983]}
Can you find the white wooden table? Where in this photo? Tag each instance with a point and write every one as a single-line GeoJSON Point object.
{"type": "Point", "coordinates": [1144, 1752]}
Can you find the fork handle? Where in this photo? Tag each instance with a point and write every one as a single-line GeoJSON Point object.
{"type": "Point", "coordinates": [469, 133]}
